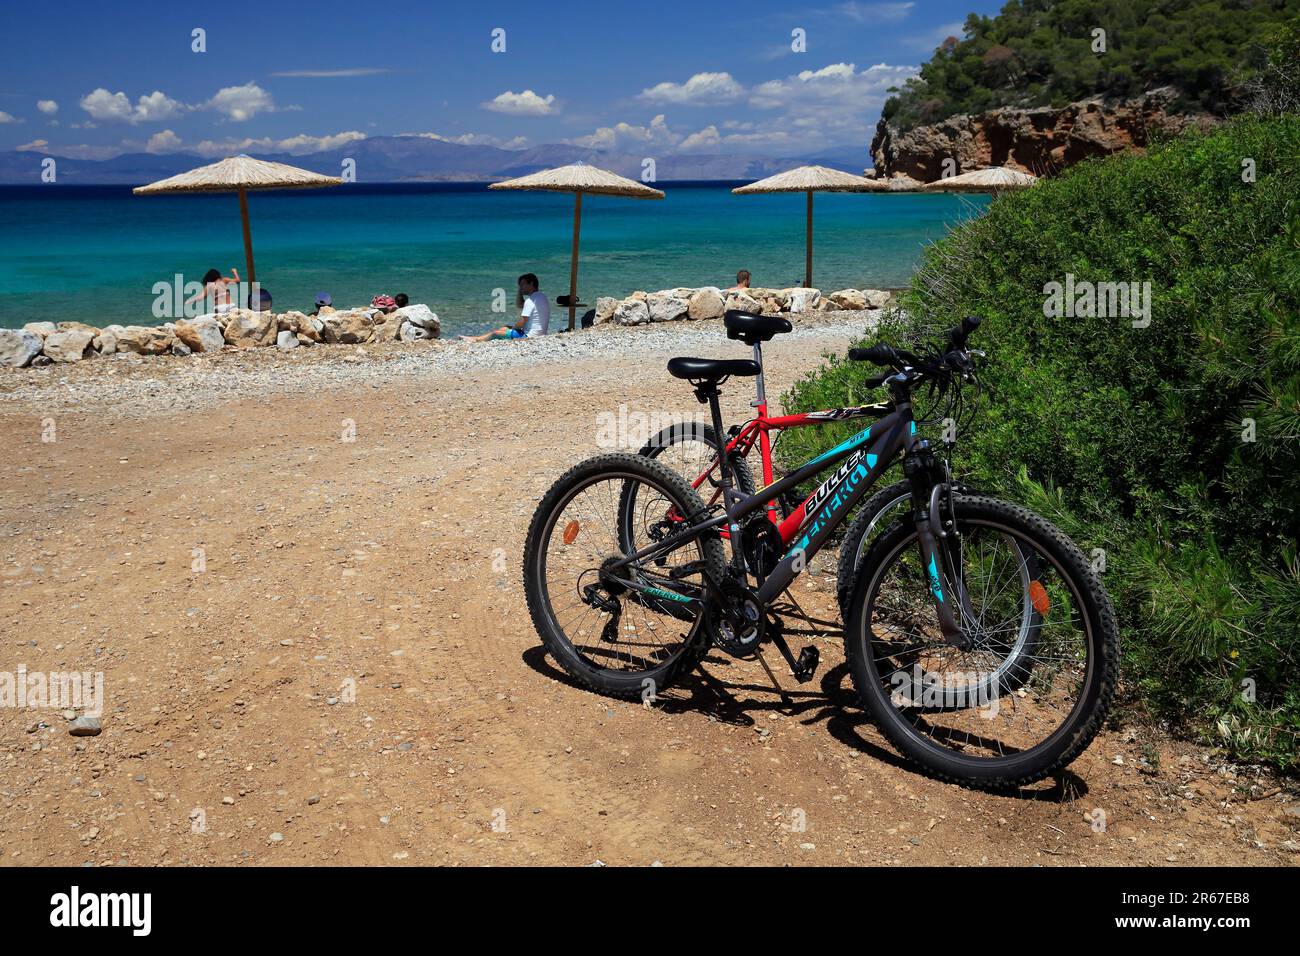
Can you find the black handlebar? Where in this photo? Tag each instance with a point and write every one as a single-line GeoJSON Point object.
{"type": "Point", "coordinates": [878, 354]}
{"type": "Point", "coordinates": [953, 359]}
{"type": "Point", "coordinates": [958, 334]}
{"type": "Point", "coordinates": [886, 356]}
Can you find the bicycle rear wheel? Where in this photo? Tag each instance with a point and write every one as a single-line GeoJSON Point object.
{"type": "Point", "coordinates": [614, 639]}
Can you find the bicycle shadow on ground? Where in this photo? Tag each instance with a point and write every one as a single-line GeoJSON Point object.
{"type": "Point", "coordinates": [706, 691]}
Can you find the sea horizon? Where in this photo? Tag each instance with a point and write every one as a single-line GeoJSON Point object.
{"type": "Point", "coordinates": [94, 253]}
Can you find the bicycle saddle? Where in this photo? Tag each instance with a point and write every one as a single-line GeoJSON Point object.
{"type": "Point", "coordinates": [751, 329]}
{"type": "Point", "coordinates": [710, 370]}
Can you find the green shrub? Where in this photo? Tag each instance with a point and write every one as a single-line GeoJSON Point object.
{"type": "Point", "coordinates": [1173, 448]}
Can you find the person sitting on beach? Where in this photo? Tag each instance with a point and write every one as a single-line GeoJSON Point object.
{"type": "Point", "coordinates": [214, 285]}
{"type": "Point", "coordinates": [742, 281]}
{"type": "Point", "coordinates": [401, 301]}
{"type": "Point", "coordinates": [534, 314]}
{"type": "Point", "coordinates": [324, 303]}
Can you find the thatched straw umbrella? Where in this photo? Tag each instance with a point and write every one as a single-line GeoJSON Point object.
{"type": "Point", "coordinates": [578, 179]}
{"type": "Point", "coordinates": [903, 183]}
{"type": "Point", "coordinates": [240, 174]}
{"type": "Point", "coordinates": [990, 180]}
{"type": "Point", "coordinates": [811, 179]}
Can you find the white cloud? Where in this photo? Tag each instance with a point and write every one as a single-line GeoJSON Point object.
{"type": "Point", "coordinates": [6, 118]}
{"type": "Point", "coordinates": [48, 107]}
{"type": "Point", "coordinates": [526, 103]}
{"type": "Point", "coordinates": [626, 135]}
{"type": "Point", "coordinates": [702, 89]}
{"type": "Point", "coordinates": [702, 140]}
{"type": "Point", "coordinates": [299, 145]}
{"type": "Point", "coordinates": [839, 86]}
{"type": "Point", "coordinates": [240, 103]}
{"type": "Point", "coordinates": [163, 142]}
{"type": "Point", "coordinates": [351, 71]}
{"type": "Point", "coordinates": [478, 139]}
{"type": "Point", "coordinates": [116, 107]}
{"type": "Point", "coordinates": [71, 152]}
{"type": "Point", "coordinates": [873, 12]}
{"type": "Point", "coordinates": [302, 143]}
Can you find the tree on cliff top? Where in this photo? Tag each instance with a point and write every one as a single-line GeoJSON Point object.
{"type": "Point", "coordinates": [1048, 53]}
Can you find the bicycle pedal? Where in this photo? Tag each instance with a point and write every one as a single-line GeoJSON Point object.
{"type": "Point", "coordinates": [806, 665]}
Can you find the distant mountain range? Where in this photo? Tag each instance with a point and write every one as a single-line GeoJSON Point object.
{"type": "Point", "coordinates": [396, 159]}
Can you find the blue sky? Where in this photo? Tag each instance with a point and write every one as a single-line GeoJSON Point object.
{"type": "Point", "coordinates": [95, 79]}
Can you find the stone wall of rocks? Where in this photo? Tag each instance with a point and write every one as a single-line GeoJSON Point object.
{"type": "Point", "coordinates": [45, 343]}
{"type": "Point", "coordinates": [710, 302]}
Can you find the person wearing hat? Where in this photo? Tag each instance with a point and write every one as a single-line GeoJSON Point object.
{"type": "Point", "coordinates": [323, 303]}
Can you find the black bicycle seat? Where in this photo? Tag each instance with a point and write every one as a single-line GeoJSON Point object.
{"type": "Point", "coordinates": [752, 329]}
{"type": "Point", "coordinates": [710, 370]}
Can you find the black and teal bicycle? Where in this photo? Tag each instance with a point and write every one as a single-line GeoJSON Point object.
{"type": "Point", "coordinates": [979, 639]}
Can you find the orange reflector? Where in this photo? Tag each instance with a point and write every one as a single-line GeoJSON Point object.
{"type": "Point", "coordinates": [571, 534]}
{"type": "Point", "coordinates": [1038, 598]}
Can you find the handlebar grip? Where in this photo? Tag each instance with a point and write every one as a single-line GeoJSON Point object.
{"type": "Point", "coordinates": [957, 336]}
{"type": "Point", "coordinates": [878, 354]}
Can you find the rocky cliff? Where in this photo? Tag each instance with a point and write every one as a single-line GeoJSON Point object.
{"type": "Point", "coordinates": [1040, 140]}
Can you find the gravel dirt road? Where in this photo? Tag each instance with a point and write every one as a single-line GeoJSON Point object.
{"type": "Point", "coordinates": [300, 577]}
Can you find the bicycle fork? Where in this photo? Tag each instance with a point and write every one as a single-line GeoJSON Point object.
{"type": "Point", "coordinates": [924, 473]}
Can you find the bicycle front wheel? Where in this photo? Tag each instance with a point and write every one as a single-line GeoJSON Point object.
{"type": "Point", "coordinates": [959, 712]}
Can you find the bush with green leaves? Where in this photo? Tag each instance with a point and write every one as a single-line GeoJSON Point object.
{"type": "Point", "coordinates": [1173, 449]}
{"type": "Point", "coordinates": [1047, 53]}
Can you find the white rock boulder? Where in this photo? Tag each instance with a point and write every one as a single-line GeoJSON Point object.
{"type": "Point", "coordinates": [18, 347]}
{"type": "Point", "coordinates": [70, 346]}
{"type": "Point", "coordinates": [348, 328]}
{"type": "Point", "coordinates": [106, 341]}
{"type": "Point", "coordinates": [848, 299]}
{"type": "Point", "coordinates": [144, 340]}
{"type": "Point", "coordinates": [705, 303]}
{"type": "Point", "coordinates": [202, 334]}
{"type": "Point", "coordinates": [420, 315]}
{"type": "Point", "coordinates": [410, 332]}
{"type": "Point", "coordinates": [742, 302]}
{"type": "Point", "coordinates": [632, 311]}
{"type": "Point", "coordinates": [246, 329]}
{"type": "Point", "coordinates": [605, 306]}
{"type": "Point", "coordinates": [666, 306]}
{"type": "Point", "coordinates": [803, 300]}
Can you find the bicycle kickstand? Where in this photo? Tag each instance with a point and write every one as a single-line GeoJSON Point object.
{"type": "Point", "coordinates": [805, 666]}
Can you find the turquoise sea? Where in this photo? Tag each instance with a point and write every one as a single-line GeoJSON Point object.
{"type": "Point", "coordinates": [94, 253]}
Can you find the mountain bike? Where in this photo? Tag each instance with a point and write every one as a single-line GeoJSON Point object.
{"type": "Point", "coordinates": [626, 604]}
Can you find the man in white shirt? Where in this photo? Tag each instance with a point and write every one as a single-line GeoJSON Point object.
{"type": "Point", "coordinates": [534, 315]}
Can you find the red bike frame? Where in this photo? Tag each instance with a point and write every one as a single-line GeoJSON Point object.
{"type": "Point", "coordinates": [757, 431]}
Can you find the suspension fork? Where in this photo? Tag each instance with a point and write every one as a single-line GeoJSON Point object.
{"type": "Point", "coordinates": [923, 473]}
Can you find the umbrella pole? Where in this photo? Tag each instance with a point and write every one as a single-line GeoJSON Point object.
{"type": "Point", "coordinates": [573, 266]}
{"type": "Point", "coordinates": [808, 242]}
{"type": "Point", "coordinates": [248, 236]}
